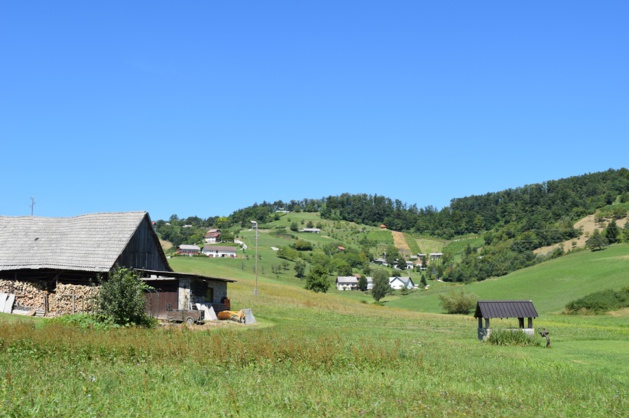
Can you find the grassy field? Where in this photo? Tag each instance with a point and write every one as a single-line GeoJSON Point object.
{"type": "Point", "coordinates": [334, 354]}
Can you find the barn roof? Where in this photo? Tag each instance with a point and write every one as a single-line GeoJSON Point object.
{"type": "Point", "coordinates": [90, 242]}
{"type": "Point", "coordinates": [505, 309]}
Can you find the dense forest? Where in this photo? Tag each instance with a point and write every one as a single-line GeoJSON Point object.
{"type": "Point", "coordinates": [547, 209]}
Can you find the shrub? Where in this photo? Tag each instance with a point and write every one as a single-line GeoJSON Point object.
{"type": "Point", "coordinates": [302, 245]}
{"type": "Point", "coordinates": [121, 299]}
{"type": "Point", "coordinates": [599, 302]}
{"type": "Point", "coordinates": [458, 302]}
{"type": "Point", "coordinates": [512, 337]}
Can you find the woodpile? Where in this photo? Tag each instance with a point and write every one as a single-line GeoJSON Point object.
{"type": "Point", "coordinates": [66, 299]}
{"type": "Point", "coordinates": [69, 298]}
{"type": "Point", "coordinates": [28, 295]}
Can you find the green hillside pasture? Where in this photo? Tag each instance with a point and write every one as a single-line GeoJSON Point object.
{"type": "Point", "coordinates": [430, 245]}
{"type": "Point", "coordinates": [457, 247]}
{"type": "Point", "coordinates": [312, 355]}
{"type": "Point", "coordinates": [412, 244]}
{"type": "Point", "coordinates": [550, 285]}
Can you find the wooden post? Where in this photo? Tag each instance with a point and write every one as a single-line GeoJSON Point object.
{"type": "Point", "coordinates": [73, 301]}
{"type": "Point", "coordinates": [530, 323]}
{"type": "Point", "coordinates": [521, 322]}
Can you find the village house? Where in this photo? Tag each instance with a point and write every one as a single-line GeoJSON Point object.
{"type": "Point", "coordinates": [216, 251]}
{"type": "Point", "coordinates": [213, 236]}
{"type": "Point", "coordinates": [52, 266]}
{"type": "Point", "coordinates": [347, 283]}
{"type": "Point", "coordinates": [189, 250]}
{"type": "Point", "coordinates": [398, 283]}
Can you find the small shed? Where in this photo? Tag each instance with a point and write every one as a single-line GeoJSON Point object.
{"type": "Point", "coordinates": [488, 309]}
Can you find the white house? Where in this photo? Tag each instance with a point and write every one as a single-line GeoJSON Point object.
{"type": "Point", "coordinates": [398, 283]}
{"type": "Point", "coordinates": [217, 251]}
{"type": "Point", "coordinates": [311, 230]}
{"type": "Point", "coordinates": [213, 236]}
{"type": "Point", "coordinates": [346, 283]}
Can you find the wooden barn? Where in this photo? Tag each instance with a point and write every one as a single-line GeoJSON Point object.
{"type": "Point", "coordinates": [489, 309]}
{"type": "Point", "coordinates": [52, 265]}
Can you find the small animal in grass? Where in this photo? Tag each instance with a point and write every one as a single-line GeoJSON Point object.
{"type": "Point", "coordinates": [544, 333]}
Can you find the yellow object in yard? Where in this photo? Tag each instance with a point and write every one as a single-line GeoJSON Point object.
{"type": "Point", "coordinates": [234, 316]}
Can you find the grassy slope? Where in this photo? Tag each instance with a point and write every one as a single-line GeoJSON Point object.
{"type": "Point", "coordinates": [550, 285]}
{"type": "Point", "coordinates": [329, 355]}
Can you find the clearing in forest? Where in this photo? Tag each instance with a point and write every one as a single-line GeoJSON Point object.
{"type": "Point", "coordinates": [586, 225]}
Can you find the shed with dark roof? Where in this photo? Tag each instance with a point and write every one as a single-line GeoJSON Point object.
{"type": "Point", "coordinates": [488, 309]}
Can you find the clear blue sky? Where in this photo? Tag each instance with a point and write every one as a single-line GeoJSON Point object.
{"type": "Point", "coordinates": [205, 107]}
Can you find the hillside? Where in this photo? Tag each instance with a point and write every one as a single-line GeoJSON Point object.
{"type": "Point", "coordinates": [550, 285]}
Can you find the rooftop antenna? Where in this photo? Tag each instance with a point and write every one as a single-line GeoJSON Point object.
{"type": "Point", "coordinates": [32, 204]}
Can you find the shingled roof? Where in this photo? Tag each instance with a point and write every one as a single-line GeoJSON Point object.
{"type": "Point", "coordinates": [90, 242]}
{"type": "Point", "coordinates": [505, 309]}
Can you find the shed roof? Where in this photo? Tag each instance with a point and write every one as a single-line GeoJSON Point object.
{"type": "Point", "coordinates": [90, 242]}
{"type": "Point", "coordinates": [505, 309]}
{"type": "Point", "coordinates": [225, 249]}
{"type": "Point", "coordinates": [347, 279]}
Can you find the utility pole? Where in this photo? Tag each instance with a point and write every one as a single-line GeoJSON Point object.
{"type": "Point", "coordinates": [32, 204]}
{"type": "Point", "coordinates": [255, 289]}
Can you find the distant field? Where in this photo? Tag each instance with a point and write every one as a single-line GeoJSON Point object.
{"type": "Point", "coordinates": [430, 245]}
{"type": "Point", "coordinates": [550, 285]}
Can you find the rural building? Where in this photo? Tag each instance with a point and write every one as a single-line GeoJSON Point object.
{"type": "Point", "coordinates": [53, 265]}
{"type": "Point", "coordinates": [216, 251]}
{"type": "Point", "coordinates": [398, 283]}
{"type": "Point", "coordinates": [347, 283]}
{"type": "Point", "coordinates": [213, 236]}
{"type": "Point", "coordinates": [189, 250]}
{"type": "Point", "coordinates": [435, 256]}
{"type": "Point", "coordinates": [488, 309]}
{"type": "Point", "coordinates": [311, 230]}
{"type": "Point", "coordinates": [380, 261]}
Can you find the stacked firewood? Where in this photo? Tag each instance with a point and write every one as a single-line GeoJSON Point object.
{"type": "Point", "coordinates": [66, 299]}
{"type": "Point", "coordinates": [28, 295]}
{"type": "Point", "coordinates": [70, 298]}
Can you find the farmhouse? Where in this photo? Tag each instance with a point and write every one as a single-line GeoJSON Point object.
{"type": "Point", "coordinates": [216, 251]}
{"type": "Point", "coordinates": [398, 283]}
{"type": "Point", "coordinates": [488, 309]}
{"type": "Point", "coordinates": [51, 265]}
{"type": "Point", "coordinates": [347, 283]}
{"type": "Point", "coordinates": [190, 250]}
{"type": "Point", "coordinates": [213, 236]}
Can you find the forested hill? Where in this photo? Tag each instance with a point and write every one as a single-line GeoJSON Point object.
{"type": "Point", "coordinates": [532, 208]}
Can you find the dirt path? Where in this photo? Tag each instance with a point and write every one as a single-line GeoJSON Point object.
{"type": "Point", "coordinates": [400, 242]}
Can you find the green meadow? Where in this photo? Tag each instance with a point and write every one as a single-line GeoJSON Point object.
{"type": "Point", "coordinates": [334, 354]}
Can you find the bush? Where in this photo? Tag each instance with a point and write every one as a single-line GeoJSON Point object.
{"type": "Point", "coordinates": [121, 299]}
{"type": "Point", "coordinates": [458, 302]}
{"type": "Point", "coordinates": [511, 337]}
{"type": "Point", "coordinates": [302, 245]}
{"type": "Point", "coordinates": [599, 302]}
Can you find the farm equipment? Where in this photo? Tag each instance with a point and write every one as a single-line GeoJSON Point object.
{"type": "Point", "coordinates": [189, 316]}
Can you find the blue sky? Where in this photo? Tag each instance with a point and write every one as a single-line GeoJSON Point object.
{"type": "Point", "coordinates": [203, 108]}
